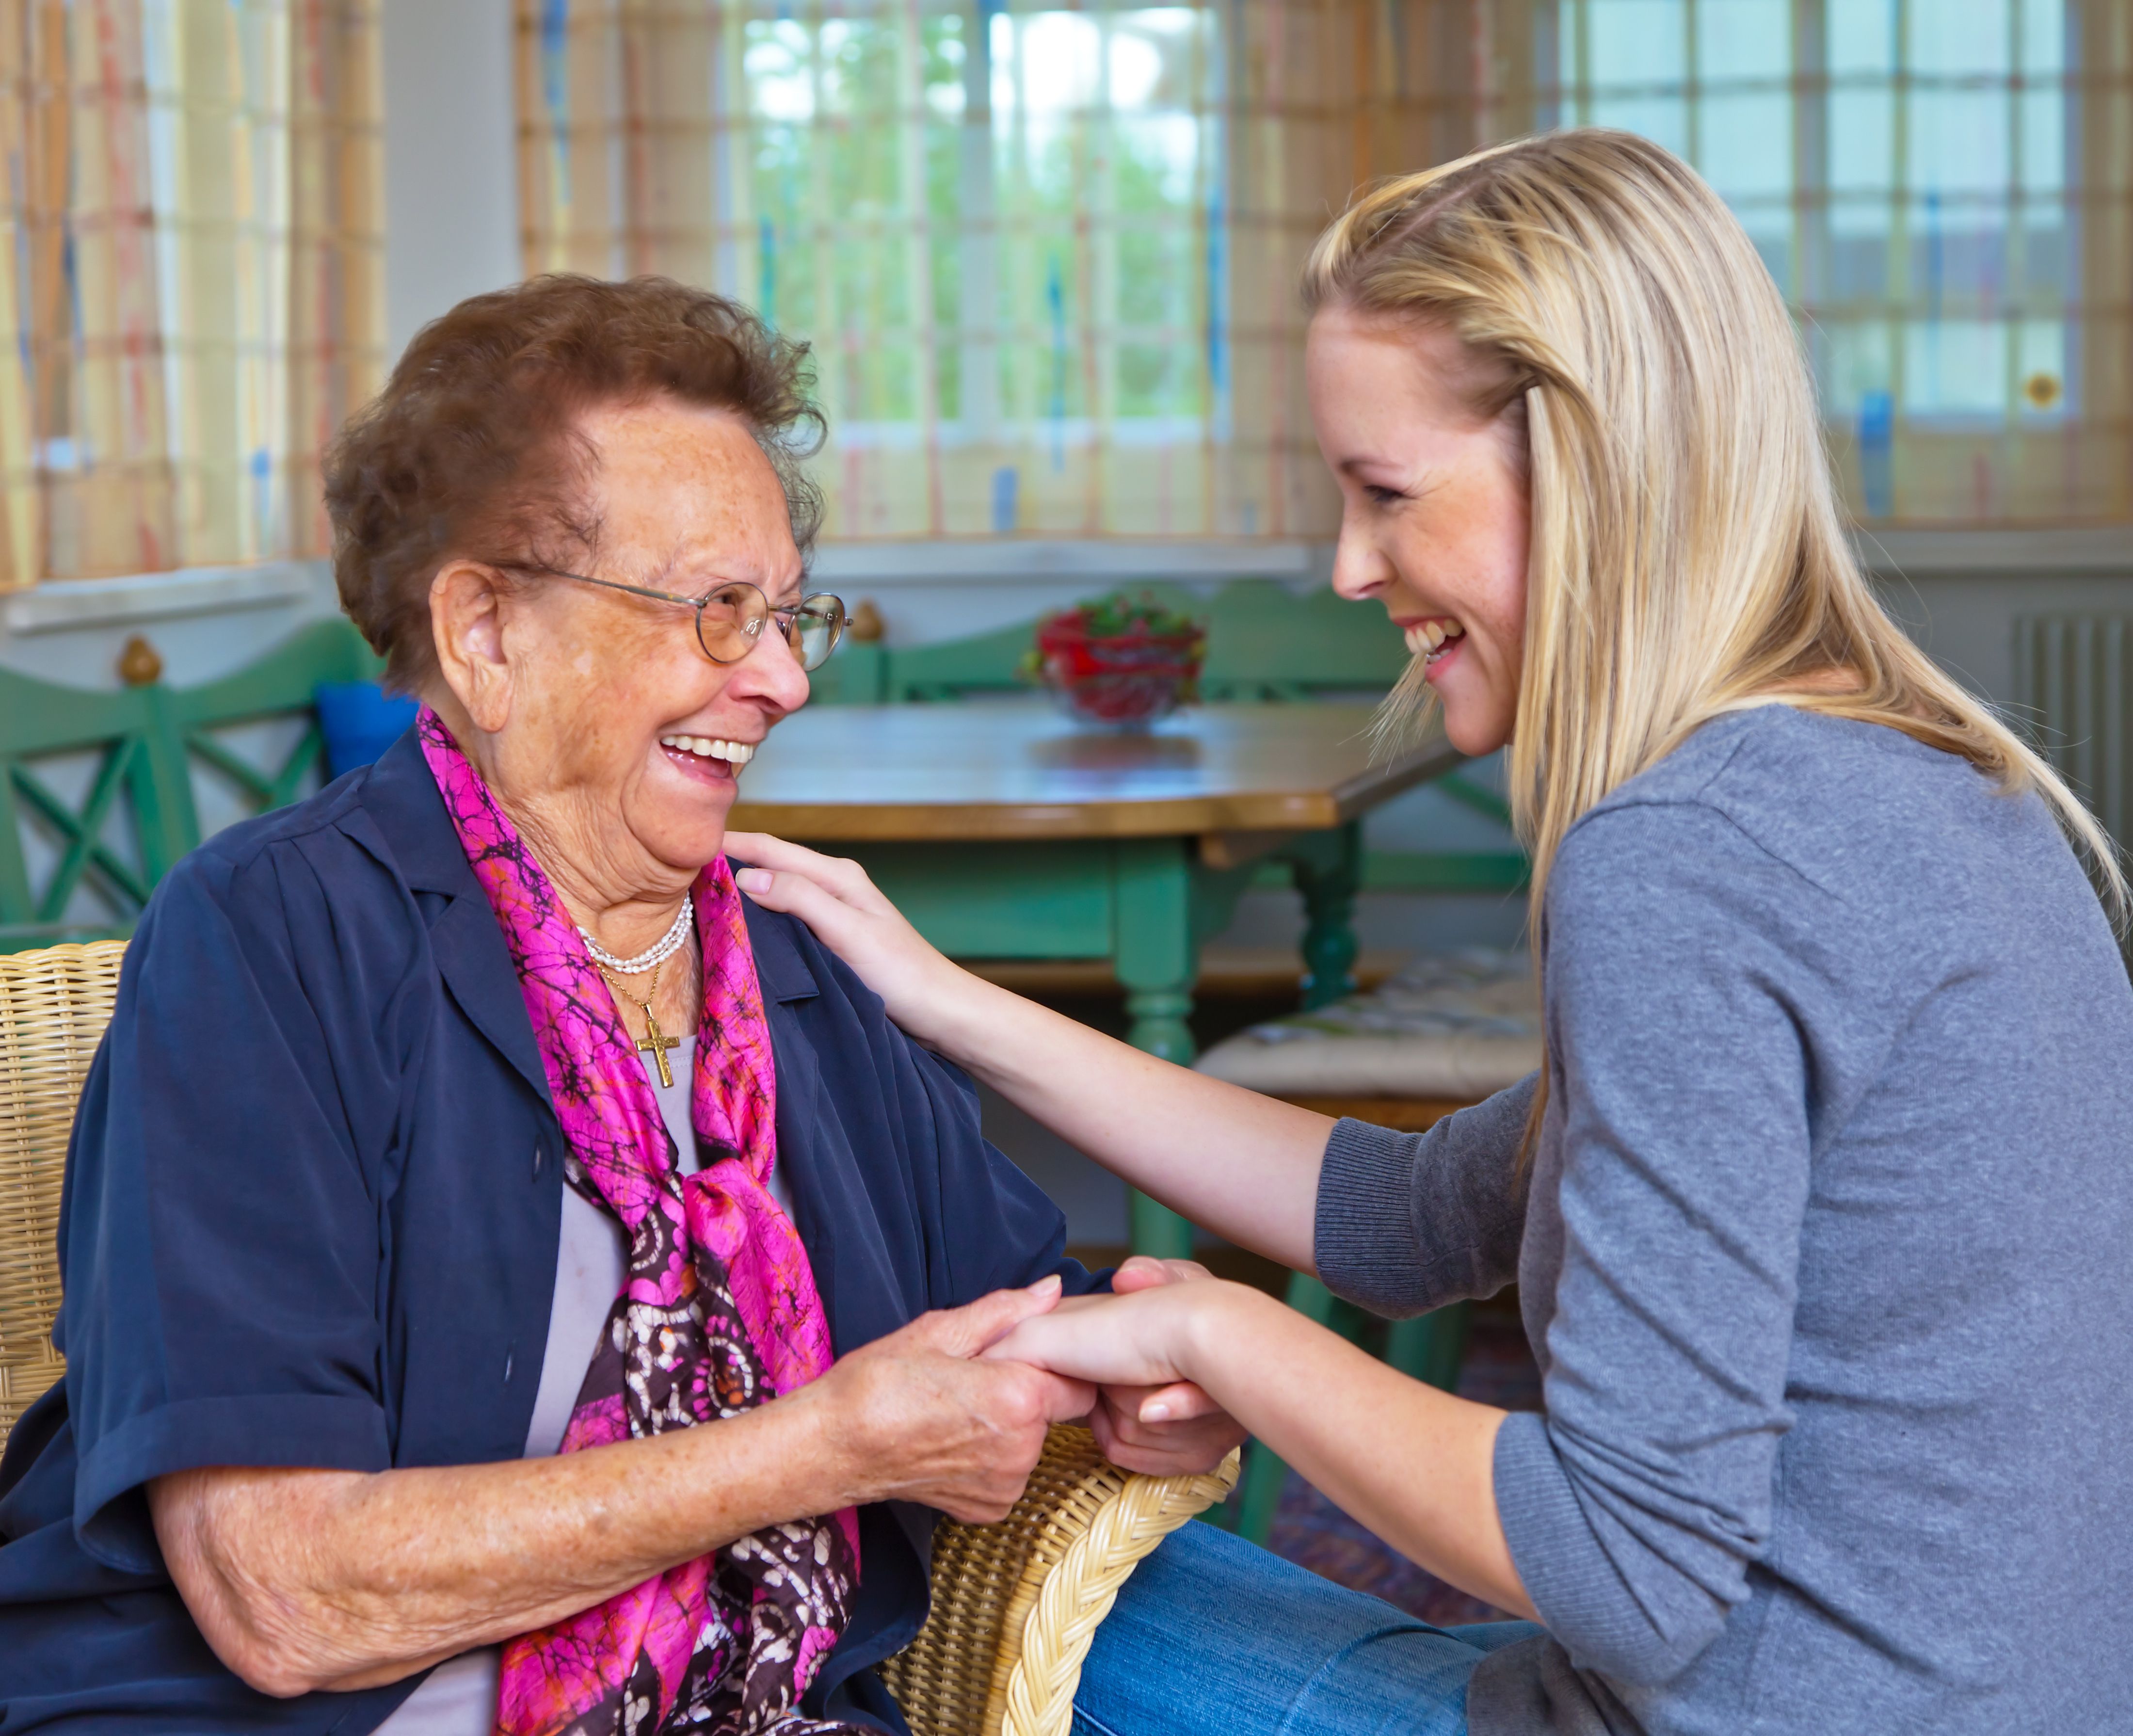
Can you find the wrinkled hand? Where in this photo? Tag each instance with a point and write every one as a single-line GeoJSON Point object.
{"type": "Point", "coordinates": [923, 1416]}
{"type": "Point", "coordinates": [835, 898]}
{"type": "Point", "coordinates": [1166, 1428]}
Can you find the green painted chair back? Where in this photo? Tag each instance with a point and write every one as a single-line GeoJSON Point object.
{"type": "Point", "coordinates": [1264, 642]}
{"type": "Point", "coordinates": [145, 745]}
{"type": "Point", "coordinates": [989, 663]}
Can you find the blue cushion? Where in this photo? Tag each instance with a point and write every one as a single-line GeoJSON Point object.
{"type": "Point", "coordinates": [359, 720]}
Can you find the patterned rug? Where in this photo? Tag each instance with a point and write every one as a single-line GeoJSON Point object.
{"type": "Point", "coordinates": [1313, 1532]}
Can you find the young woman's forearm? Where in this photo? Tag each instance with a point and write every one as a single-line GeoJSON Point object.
{"type": "Point", "coordinates": [1414, 1464]}
{"type": "Point", "coordinates": [1243, 1165]}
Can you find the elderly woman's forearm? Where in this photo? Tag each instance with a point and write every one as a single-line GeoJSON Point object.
{"type": "Point", "coordinates": [1241, 1164]}
{"type": "Point", "coordinates": [302, 1579]}
{"type": "Point", "coordinates": [305, 1579]}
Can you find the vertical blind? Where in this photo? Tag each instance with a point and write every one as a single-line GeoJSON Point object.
{"type": "Point", "coordinates": [1047, 255]}
{"type": "Point", "coordinates": [191, 270]}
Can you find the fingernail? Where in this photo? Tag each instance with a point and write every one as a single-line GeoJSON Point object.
{"type": "Point", "coordinates": [753, 880]}
{"type": "Point", "coordinates": [1045, 1285]}
{"type": "Point", "coordinates": [1155, 1413]}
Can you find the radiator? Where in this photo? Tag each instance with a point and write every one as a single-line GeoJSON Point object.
{"type": "Point", "coordinates": [2071, 693]}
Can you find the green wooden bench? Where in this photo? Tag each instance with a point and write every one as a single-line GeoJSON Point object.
{"type": "Point", "coordinates": [145, 742]}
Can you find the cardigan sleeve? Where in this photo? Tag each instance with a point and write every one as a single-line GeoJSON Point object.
{"type": "Point", "coordinates": [1001, 1229]}
{"type": "Point", "coordinates": [220, 1241]}
{"type": "Point", "coordinates": [1684, 1035]}
{"type": "Point", "coordinates": [1409, 1222]}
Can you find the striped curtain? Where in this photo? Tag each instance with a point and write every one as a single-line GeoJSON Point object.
{"type": "Point", "coordinates": [1046, 254]}
{"type": "Point", "coordinates": [192, 269]}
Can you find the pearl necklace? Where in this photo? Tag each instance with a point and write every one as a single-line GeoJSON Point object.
{"type": "Point", "coordinates": [653, 957]}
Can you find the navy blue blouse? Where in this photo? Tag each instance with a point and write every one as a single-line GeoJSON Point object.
{"type": "Point", "coordinates": [311, 1216]}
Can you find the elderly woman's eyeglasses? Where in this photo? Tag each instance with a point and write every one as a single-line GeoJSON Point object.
{"type": "Point", "coordinates": [731, 616]}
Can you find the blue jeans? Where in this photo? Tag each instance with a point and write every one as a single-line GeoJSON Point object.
{"type": "Point", "coordinates": [1212, 1637]}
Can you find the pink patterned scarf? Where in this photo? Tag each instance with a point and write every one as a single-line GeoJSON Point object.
{"type": "Point", "coordinates": [719, 1313]}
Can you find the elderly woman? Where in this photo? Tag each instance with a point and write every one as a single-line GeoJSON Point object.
{"type": "Point", "coordinates": [462, 1142]}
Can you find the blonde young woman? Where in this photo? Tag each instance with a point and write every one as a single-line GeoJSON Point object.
{"type": "Point", "coordinates": [1819, 1210]}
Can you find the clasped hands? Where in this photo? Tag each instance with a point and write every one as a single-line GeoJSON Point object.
{"type": "Point", "coordinates": [953, 1408]}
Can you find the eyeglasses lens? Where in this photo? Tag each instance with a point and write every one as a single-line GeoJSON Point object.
{"type": "Point", "coordinates": [729, 622]}
{"type": "Point", "coordinates": [817, 625]}
{"type": "Point", "coordinates": [732, 618]}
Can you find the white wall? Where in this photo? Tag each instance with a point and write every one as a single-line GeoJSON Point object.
{"type": "Point", "coordinates": [1967, 619]}
{"type": "Point", "coordinates": [451, 184]}
{"type": "Point", "coordinates": [202, 624]}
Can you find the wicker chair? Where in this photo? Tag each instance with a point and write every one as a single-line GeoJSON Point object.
{"type": "Point", "coordinates": [1015, 1604]}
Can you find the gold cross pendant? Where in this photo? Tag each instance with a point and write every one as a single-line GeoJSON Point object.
{"type": "Point", "coordinates": [655, 1042]}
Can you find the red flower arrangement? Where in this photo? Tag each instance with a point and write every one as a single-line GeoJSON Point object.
{"type": "Point", "coordinates": [1120, 661]}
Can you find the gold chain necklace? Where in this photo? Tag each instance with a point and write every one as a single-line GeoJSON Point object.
{"type": "Point", "coordinates": [655, 1041]}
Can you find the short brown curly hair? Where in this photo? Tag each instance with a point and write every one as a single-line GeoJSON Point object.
{"type": "Point", "coordinates": [468, 451]}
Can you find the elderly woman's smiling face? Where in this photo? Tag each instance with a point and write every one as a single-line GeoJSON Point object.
{"type": "Point", "coordinates": [571, 697]}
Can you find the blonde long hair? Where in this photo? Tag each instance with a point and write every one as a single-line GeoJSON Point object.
{"type": "Point", "coordinates": [1687, 556]}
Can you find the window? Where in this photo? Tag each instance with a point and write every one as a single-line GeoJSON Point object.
{"type": "Point", "coordinates": [1921, 177]}
{"type": "Point", "coordinates": [1010, 232]}
{"type": "Point", "coordinates": [190, 269]}
{"type": "Point", "coordinates": [1028, 255]}
{"type": "Point", "coordinates": [1047, 255]}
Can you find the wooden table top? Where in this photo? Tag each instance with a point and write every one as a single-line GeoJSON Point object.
{"type": "Point", "coordinates": [1019, 768]}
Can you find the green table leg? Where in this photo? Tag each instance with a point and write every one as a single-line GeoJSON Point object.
{"type": "Point", "coordinates": [1157, 955]}
{"type": "Point", "coordinates": [1155, 1229]}
{"type": "Point", "coordinates": [1430, 1347]}
{"type": "Point", "coordinates": [1328, 868]}
{"type": "Point", "coordinates": [1157, 958]}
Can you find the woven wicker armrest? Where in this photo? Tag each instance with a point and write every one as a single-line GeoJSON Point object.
{"type": "Point", "coordinates": [53, 1005]}
{"type": "Point", "coordinates": [1016, 1604]}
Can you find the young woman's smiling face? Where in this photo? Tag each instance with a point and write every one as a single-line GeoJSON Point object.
{"type": "Point", "coordinates": [1433, 507]}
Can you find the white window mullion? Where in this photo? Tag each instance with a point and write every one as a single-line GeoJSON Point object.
{"type": "Point", "coordinates": [917, 247]}
{"type": "Point", "coordinates": [979, 244]}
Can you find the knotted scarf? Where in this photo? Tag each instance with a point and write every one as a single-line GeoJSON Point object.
{"type": "Point", "coordinates": [718, 1313]}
